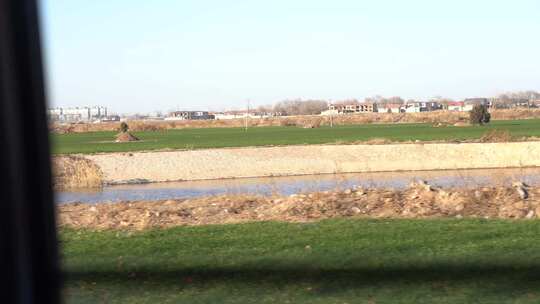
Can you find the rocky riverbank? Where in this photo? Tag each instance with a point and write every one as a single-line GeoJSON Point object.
{"type": "Point", "coordinates": [420, 200]}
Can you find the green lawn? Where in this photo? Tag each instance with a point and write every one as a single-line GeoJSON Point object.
{"type": "Point", "coordinates": [335, 261]}
{"type": "Point", "coordinates": [262, 136]}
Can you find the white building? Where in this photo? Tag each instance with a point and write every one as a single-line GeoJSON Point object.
{"type": "Point", "coordinates": [413, 107]}
{"type": "Point", "coordinates": [229, 115]}
{"type": "Point", "coordinates": [390, 108]}
{"type": "Point", "coordinates": [76, 114]}
{"type": "Point", "coordinates": [353, 107]}
{"type": "Point", "coordinates": [422, 106]}
{"type": "Point", "coordinates": [241, 114]}
{"type": "Point", "coordinates": [329, 112]}
{"type": "Point", "coordinates": [189, 115]}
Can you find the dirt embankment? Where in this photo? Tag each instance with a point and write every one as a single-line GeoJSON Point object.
{"type": "Point", "coordinates": [118, 168]}
{"type": "Point", "coordinates": [437, 117]}
{"type": "Point", "coordinates": [419, 201]}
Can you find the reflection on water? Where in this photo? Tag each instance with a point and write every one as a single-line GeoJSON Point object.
{"type": "Point", "coordinates": [298, 184]}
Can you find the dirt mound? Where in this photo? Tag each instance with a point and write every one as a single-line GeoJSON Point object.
{"type": "Point", "coordinates": [125, 137]}
{"type": "Point", "coordinates": [419, 201]}
{"type": "Point", "coordinates": [75, 172]}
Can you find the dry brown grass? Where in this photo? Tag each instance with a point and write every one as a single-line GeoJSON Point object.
{"type": "Point", "coordinates": [419, 201]}
{"type": "Point", "coordinates": [496, 136]}
{"type": "Point", "coordinates": [287, 122]}
{"type": "Point", "coordinates": [71, 172]}
{"type": "Point", "coordinates": [378, 141]}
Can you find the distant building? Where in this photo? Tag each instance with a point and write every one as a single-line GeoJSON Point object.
{"type": "Point", "coordinates": [243, 114]}
{"type": "Point", "coordinates": [469, 103]}
{"type": "Point", "coordinates": [390, 108]}
{"type": "Point", "coordinates": [77, 114]}
{"type": "Point", "coordinates": [228, 115]}
{"type": "Point", "coordinates": [345, 108]}
{"type": "Point", "coordinates": [111, 118]}
{"type": "Point", "coordinates": [456, 106]}
{"type": "Point", "coordinates": [329, 112]}
{"type": "Point", "coordinates": [422, 106]}
{"type": "Point", "coordinates": [367, 107]}
{"type": "Point", "coordinates": [413, 107]}
{"type": "Point", "coordinates": [189, 115]}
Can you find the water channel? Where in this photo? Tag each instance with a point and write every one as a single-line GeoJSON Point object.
{"type": "Point", "coordinates": [298, 184]}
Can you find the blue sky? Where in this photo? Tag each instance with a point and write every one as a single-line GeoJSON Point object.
{"type": "Point", "coordinates": [141, 56]}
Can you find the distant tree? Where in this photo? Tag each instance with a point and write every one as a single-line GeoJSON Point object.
{"type": "Point", "coordinates": [383, 100]}
{"type": "Point", "coordinates": [376, 99]}
{"type": "Point", "coordinates": [524, 95]}
{"type": "Point", "coordinates": [370, 100]}
{"type": "Point", "coordinates": [300, 107]}
{"type": "Point", "coordinates": [396, 100]}
{"type": "Point", "coordinates": [479, 115]}
{"type": "Point", "coordinates": [124, 127]}
{"type": "Point", "coordinates": [512, 98]}
{"type": "Point", "coordinates": [504, 99]}
{"type": "Point", "coordinates": [263, 109]}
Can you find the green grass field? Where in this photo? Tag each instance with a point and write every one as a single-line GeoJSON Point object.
{"type": "Point", "coordinates": [334, 261]}
{"type": "Point", "coordinates": [264, 136]}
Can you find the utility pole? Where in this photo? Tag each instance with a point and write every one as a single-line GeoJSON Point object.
{"type": "Point", "coordinates": [247, 116]}
{"type": "Point", "coordinates": [331, 115]}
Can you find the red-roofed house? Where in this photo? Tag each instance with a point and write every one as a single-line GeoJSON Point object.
{"type": "Point", "coordinates": [456, 106]}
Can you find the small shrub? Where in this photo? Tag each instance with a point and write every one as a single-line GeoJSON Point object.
{"type": "Point", "coordinates": [479, 115]}
{"type": "Point", "coordinates": [124, 127]}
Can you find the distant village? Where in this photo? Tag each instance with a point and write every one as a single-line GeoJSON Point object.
{"type": "Point", "coordinates": [98, 114]}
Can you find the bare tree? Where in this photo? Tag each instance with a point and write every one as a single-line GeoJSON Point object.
{"type": "Point", "coordinates": [444, 101]}
{"type": "Point", "coordinates": [383, 100]}
{"type": "Point", "coordinates": [396, 100]}
{"type": "Point", "coordinates": [264, 109]}
{"type": "Point", "coordinates": [519, 97]}
{"type": "Point", "coordinates": [301, 107]}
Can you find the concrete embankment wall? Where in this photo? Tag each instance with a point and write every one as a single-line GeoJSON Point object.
{"type": "Point", "coordinates": [299, 160]}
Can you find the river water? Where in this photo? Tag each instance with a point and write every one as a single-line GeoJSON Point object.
{"type": "Point", "coordinates": [299, 184]}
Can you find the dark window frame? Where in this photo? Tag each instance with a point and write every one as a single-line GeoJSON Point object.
{"type": "Point", "coordinates": [29, 246]}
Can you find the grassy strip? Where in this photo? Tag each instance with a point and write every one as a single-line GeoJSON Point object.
{"type": "Point", "coordinates": [335, 261]}
{"type": "Point", "coordinates": [262, 136]}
